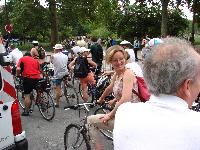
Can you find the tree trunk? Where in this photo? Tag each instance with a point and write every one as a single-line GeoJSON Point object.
{"type": "Point", "coordinates": [164, 18]}
{"type": "Point", "coordinates": [54, 22]}
{"type": "Point", "coordinates": [193, 23]}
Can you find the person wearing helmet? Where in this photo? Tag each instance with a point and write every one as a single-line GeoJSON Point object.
{"type": "Point", "coordinates": [84, 53]}
{"type": "Point", "coordinates": [34, 52]}
{"type": "Point", "coordinates": [148, 46]}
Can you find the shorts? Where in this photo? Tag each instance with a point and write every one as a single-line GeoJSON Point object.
{"type": "Point", "coordinates": [29, 84]}
{"type": "Point", "coordinates": [57, 82]}
{"type": "Point", "coordinates": [89, 79]}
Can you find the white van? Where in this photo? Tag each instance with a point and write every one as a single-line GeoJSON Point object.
{"type": "Point", "coordinates": [12, 137]}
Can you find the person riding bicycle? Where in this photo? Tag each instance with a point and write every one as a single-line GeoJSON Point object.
{"type": "Point", "coordinates": [122, 84]}
{"type": "Point", "coordinates": [30, 68]}
{"type": "Point", "coordinates": [16, 55]}
{"type": "Point", "coordinates": [38, 51]}
{"type": "Point", "coordinates": [84, 52]}
{"type": "Point", "coordinates": [60, 62]}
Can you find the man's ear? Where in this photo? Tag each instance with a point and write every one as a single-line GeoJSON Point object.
{"type": "Point", "coordinates": [185, 89]}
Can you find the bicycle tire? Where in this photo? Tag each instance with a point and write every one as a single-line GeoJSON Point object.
{"type": "Point", "coordinates": [46, 106]}
{"type": "Point", "coordinates": [20, 96]}
{"type": "Point", "coordinates": [76, 140]}
{"type": "Point", "coordinates": [70, 94]}
{"type": "Point", "coordinates": [103, 110]}
{"type": "Point", "coordinates": [88, 89]}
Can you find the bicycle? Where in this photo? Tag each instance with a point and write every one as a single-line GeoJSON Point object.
{"type": "Point", "coordinates": [41, 97]}
{"type": "Point", "coordinates": [96, 91]}
{"type": "Point", "coordinates": [80, 138]}
{"type": "Point", "coordinates": [69, 91]}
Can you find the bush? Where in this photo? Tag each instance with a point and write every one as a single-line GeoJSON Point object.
{"type": "Point", "coordinates": [28, 46]}
{"type": "Point", "coordinates": [197, 40]}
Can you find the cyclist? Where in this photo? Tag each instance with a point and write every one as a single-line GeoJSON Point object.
{"type": "Point", "coordinates": [90, 77]}
{"type": "Point", "coordinates": [121, 85]}
{"type": "Point", "coordinates": [30, 68]}
{"type": "Point", "coordinates": [34, 51]}
{"type": "Point", "coordinates": [16, 55]}
{"type": "Point", "coordinates": [59, 61]}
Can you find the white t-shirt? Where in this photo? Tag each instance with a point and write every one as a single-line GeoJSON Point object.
{"type": "Point", "coordinates": [75, 50]}
{"type": "Point", "coordinates": [59, 61]}
{"type": "Point", "coordinates": [162, 123]}
{"type": "Point", "coordinates": [132, 54]}
{"type": "Point", "coordinates": [16, 55]}
{"type": "Point", "coordinates": [135, 68]}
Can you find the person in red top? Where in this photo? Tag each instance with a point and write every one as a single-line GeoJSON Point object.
{"type": "Point", "coordinates": [29, 68]}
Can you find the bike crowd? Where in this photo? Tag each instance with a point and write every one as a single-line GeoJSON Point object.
{"type": "Point", "coordinates": [149, 99]}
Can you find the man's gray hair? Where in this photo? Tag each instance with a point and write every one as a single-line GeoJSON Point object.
{"type": "Point", "coordinates": [168, 65]}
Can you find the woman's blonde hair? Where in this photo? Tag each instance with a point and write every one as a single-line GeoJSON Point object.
{"type": "Point", "coordinates": [112, 50]}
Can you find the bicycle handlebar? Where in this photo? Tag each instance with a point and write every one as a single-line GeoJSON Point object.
{"type": "Point", "coordinates": [78, 106]}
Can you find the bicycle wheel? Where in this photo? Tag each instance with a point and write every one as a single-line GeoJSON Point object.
{"type": "Point", "coordinates": [80, 90]}
{"type": "Point", "coordinates": [20, 95]}
{"type": "Point", "coordinates": [107, 133]}
{"type": "Point", "coordinates": [46, 106]}
{"type": "Point", "coordinates": [75, 137]}
{"type": "Point", "coordinates": [70, 94]}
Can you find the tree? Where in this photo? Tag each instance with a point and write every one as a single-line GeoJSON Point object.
{"type": "Point", "coordinates": [29, 19]}
{"type": "Point", "coordinates": [195, 8]}
{"type": "Point", "coordinates": [142, 20]}
{"type": "Point", "coordinates": [54, 22]}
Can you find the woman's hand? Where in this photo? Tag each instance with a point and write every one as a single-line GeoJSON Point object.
{"type": "Point", "coordinates": [100, 101]}
{"type": "Point", "coordinates": [105, 118]}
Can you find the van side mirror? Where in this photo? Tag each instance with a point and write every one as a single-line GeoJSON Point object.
{"type": "Point", "coordinates": [5, 59]}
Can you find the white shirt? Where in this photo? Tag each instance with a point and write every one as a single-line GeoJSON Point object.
{"type": "Point", "coordinates": [162, 123]}
{"type": "Point", "coordinates": [135, 68]}
{"type": "Point", "coordinates": [16, 55]}
{"type": "Point", "coordinates": [59, 61]}
{"type": "Point", "coordinates": [132, 54]}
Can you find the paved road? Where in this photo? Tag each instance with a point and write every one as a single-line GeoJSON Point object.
{"type": "Point", "coordinates": [44, 135]}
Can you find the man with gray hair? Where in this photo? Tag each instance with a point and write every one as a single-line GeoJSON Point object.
{"type": "Point", "coordinates": [165, 122]}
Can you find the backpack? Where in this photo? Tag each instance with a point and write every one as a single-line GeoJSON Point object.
{"type": "Point", "coordinates": [143, 92]}
{"type": "Point", "coordinates": [41, 53]}
{"type": "Point", "coordinates": [81, 68]}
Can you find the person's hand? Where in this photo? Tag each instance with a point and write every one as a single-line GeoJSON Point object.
{"type": "Point", "coordinates": [105, 118]}
{"type": "Point", "coordinates": [100, 101]}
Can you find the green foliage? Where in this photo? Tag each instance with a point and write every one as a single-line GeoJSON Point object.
{"type": "Point", "coordinates": [94, 17]}
{"type": "Point", "coordinates": [101, 31]}
{"type": "Point", "coordinates": [197, 40]}
{"type": "Point", "coordinates": [28, 46]}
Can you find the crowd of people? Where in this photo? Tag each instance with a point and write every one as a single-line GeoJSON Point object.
{"type": "Point", "coordinates": [171, 73]}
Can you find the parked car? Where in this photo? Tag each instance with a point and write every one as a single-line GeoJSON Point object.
{"type": "Point", "coordinates": [12, 136]}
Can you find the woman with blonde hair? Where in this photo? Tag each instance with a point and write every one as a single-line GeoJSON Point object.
{"type": "Point", "coordinates": [121, 85]}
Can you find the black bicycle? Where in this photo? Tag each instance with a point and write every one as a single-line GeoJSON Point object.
{"type": "Point", "coordinates": [95, 91]}
{"type": "Point", "coordinates": [40, 97]}
{"type": "Point", "coordinates": [76, 135]}
{"type": "Point", "coordinates": [69, 91]}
